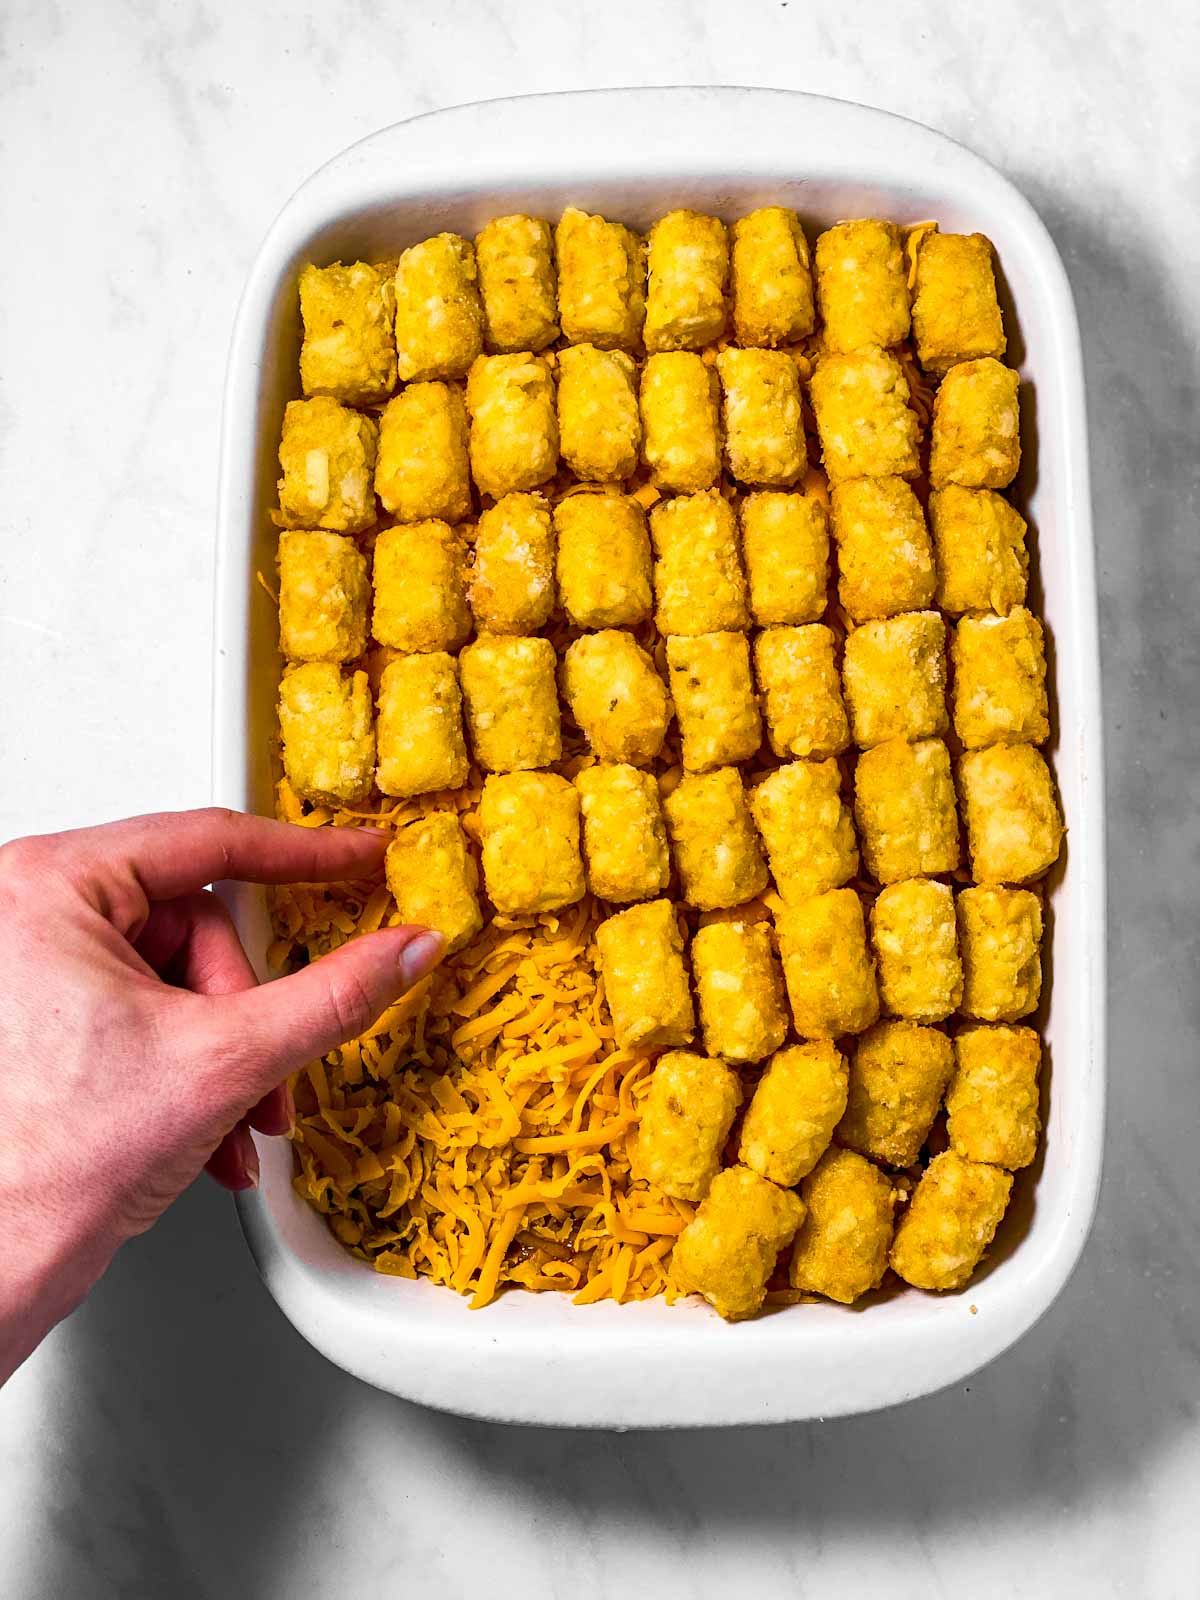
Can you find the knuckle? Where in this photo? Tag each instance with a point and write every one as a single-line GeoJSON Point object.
{"type": "Point", "coordinates": [351, 1004]}
{"type": "Point", "coordinates": [25, 859]}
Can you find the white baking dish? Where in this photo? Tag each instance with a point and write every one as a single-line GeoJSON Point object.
{"type": "Point", "coordinates": [633, 154]}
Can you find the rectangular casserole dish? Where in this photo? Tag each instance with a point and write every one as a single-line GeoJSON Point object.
{"type": "Point", "coordinates": [633, 154]}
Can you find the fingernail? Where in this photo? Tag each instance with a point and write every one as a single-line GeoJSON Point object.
{"type": "Point", "coordinates": [375, 833]}
{"type": "Point", "coordinates": [250, 1167]}
{"type": "Point", "coordinates": [421, 955]}
{"type": "Point", "coordinates": [289, 1106]}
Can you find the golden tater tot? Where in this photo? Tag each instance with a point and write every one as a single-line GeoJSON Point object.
{"type": "Point", "coordinates": [713, 692]}
{"type": "Point", "coordinates": [716, 849]}
{"type": "Point", "coordinates": [324, 596]}
{"type": "Point", "coordinates": [645, 980]}
{"type": "Point", "coordinates": [914, 933]}
{"type": "Point", "coordinates": [420, 597]}
{"type": "Point", "coordinates": [516, 282]}
{"type": "Point", "coordinates": [328, 736]}
{"type": "Point", "coordinates": [603, 560]}
{"type": "Point", "coordinates": [950, 1222]}
{"type": "Point", "coordinates": [616, 696]}
{"type": "Point", "coordinates": [512, 702]}
{"type": "Point", "coordinates": [885, 559]}
{"type": "Point", "coordinates": [894, 670]}
{"type": "Point", "coordinates": [601, 281]}
{"type": "Point", "coordinates": [422, 470]}
{"type": "Point", "coordinates": [599, 426]}
{"type": "Point", "coordinates": [348, 352]}
{"type": "Point", "coordinates": [802, 693]}
{"type": "Point", "coordinates": [512, 578]}
{"type": "Point", "coordinates": [439, 318]}
{"type": "Point", "coordinates": [513, 436]}
{"type": "Point", "coordinates": [785, 545]}
{"type": "Point", "coordinates": [529, 822]}
{"type": "Point", "coordinates": [827, 965]}
{"type": "Point", "coordinates": [434, 880]}
{"type": "Point", "coordinates": [841, 1249]}
{"type": "Point", "coordinates": [983, 564]}
{"type": "Point", "coordinates": [681, 421]}
{"type": "Point", "coordinates": [687, 260]}
{"type": "Point", "coordinates": [976, 437]}
{"type": "Point", "coordinates": [327, 455]}
{"type": "Point", "coordinates": [862, 285]}
{"type": "Point", "coordinates": [685, 1119]}
{"type": "Point", "coordinates": [955, 313]}
{"type": "Point", "coordinates": [624, 841]}
{"type": "Point", "coordinates": [1000, 680]}
{"type": "Point", "coordinates": [794, 1109]}
{"type": "Point", "coordinates": [992, 1103]}
{"type": "Point", "coordinates": [866, 427]}
{"type": "Point", "coordinates": [904, 803]}
{"type": "Point", "coordinates": [806, 827]}
{"type": "Point", "coordinates": [1014, 826]}
{"type": "Point", "coordinates": [760, 408]}
{"type": "Point", "coordinates": [419, 730]}
{"type": "Point", "coordinates": [771, 277]}
{"type": "Point", "coordinates": [739, 988]}
{"type": "Point", "coordinates": [698, 581]}
{"type": "Point", "coordinates": [1000, 931]}
{"type": "Point", "coordinates": [728, 1251]}
{"type": "Point", "coordinates": [898, 1075]}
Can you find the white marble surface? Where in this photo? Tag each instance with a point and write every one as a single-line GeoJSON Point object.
{"type": "Point", "coordinates": [176, 1439]}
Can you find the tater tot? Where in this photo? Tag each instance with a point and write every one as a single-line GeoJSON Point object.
{"type": "Point", "coordinates": [728, 1250]}
{"type": "Point", "coordinates": [685, 1119]}
{"type": "Point", "coordinates": [328, 736]}
{"type": "Point", "coordinates": [645, 980]}
{"type": "Point", "coordinates": [841, 1249]}
{"type": "Point", "coordinates": [601, 281]}
{"type": "Point", "coordinates": [992, 1103]}
{"type": "Point", "coordinates": [1000, 931]}
{"type": "Point", "coordinates": [866, 427]}
{"type": "Point", "coordinates": [513, 436]}
{"type": "Point", "coordinates": [862, 285]}
{"type": "Point", "coordinates": [976, 438]}
{"type": "Point", "coordinates": [904, 803]}
{"type": "Point", "coordinates": [1000, 680]}
{"type": "Point", "coordinates": [739, 988]}
{"type": "Point", "coordinates": [422, 470]}
{"type": "Point", "coordinates": [793, 1112]}
{"type": "Point", "coordinates": [894, 670]}
{"type": "Point", "coordinates": [420, 597]}
{"type": "Point", "coordinates": [771, 278]}
{"type": "Point", "coordinates": [624, 841]}
{"type": "Point", "coordinates": [603, 560]}
{"type": "Point", "coordinates": [512, 702]}
{"type": "Point", "coordinates": [716, 849]}
{"type": "Point", "coordinates": [914, 933]}
{"type": "Point", "coordinates": [324, 596]}
{"type": "Point", "coordinates": [698, 581]}
{"type": "Point", "coordinates": [439, 318]}
{"type": "Point", "coordinates": [529, 822]}
{"type": "Point", "coordinates": [806, 827]}
{"type": "Point", "coordinates": [713, 693]}
{"type": "Point", "coordinates": [951, 1220]}
{"type": "Point", "coordinates": [898, 1075]}
{"type": "Point", "coordinates": [419, 730]}
{"type": "Point", "coordinates": [983, 564]}
{"type": "Point", "coordinates": [511, 586]}
{"type": "Point", "coordinates": [802, 694]}
{"type": "Point", "coordinates": [955, 313]}
{"type": "Point", "coordinates": [681, 423]}
{"type": "Point", "coordinates": [599, 425]}
{"type": "Point", "coordinates": [1014, 826]}
{"type": "Point", "coordinates": [827, 965]}
{"type": "Point", "coordinates": [516, 283]}
{"type": "Point", "coordinates": [885, 559]}
{"type": "Point", "coordinates": [760, 408]}
{"type": "Point", "coordinates": [434, 880]}
{"type": "Point", "coordinates": [327, 456]}
{"type": "Point", "coordinates": [687, 261]}
{"type": "Point", "coordinates": [616, 696]}
{"type": "Point", "coordinates": [348, 352]}
{"type": "Point", "coordinates": [785, 545]}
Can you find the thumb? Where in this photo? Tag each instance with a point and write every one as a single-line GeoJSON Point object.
{"type": "Point", "coordinates": [274, 1029]}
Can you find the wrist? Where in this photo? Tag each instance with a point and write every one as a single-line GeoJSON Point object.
{"type": "Point", "coordinates": [47, 1267]}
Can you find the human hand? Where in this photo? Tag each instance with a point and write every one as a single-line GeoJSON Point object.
{"type": "Point", "coordinates": [137, 1047]}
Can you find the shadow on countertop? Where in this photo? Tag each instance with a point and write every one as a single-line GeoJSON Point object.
{"type": "Point", "coordinates": [202, 1448]}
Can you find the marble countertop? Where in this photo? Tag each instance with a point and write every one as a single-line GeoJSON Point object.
{"type": "Point", "coordinates": [176, 1438]}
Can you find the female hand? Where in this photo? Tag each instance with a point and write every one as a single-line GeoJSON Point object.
{"type": "Point", "coordinates": [135, 1045]}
